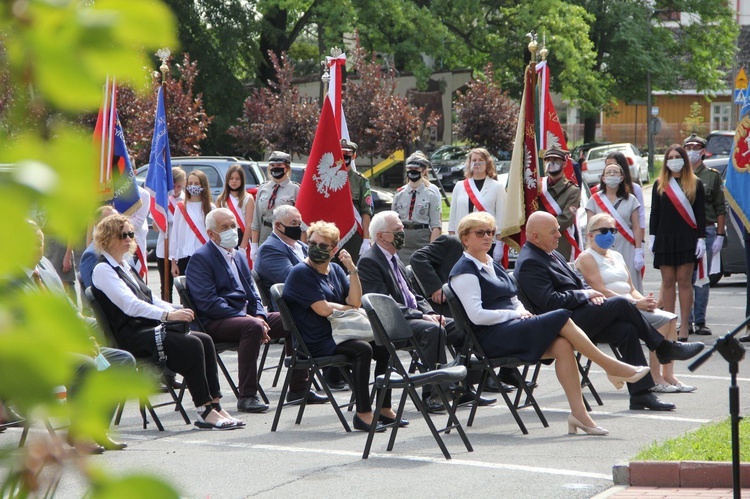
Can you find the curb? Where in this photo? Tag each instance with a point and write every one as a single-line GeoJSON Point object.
{"type": "Point", "coordinates": [678, 474]}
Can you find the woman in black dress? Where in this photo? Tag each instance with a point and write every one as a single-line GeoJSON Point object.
{"type": "Point", "coordinates": [677, 231]}
{"type": "Point", "coordinates": [505, 328]}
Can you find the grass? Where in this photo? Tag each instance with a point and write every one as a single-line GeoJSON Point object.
{"type": "Point", "coordinates": [711, 442]}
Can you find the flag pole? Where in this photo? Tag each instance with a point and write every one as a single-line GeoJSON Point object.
{"type": "Point", "coordinates": [166, 289]}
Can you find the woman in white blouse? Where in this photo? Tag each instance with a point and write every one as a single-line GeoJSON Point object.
{"type": "Point", "coordinates": [189, 225]}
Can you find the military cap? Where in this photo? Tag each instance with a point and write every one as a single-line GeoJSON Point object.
{"type": "Point", "coordinates": [694, 139]}
{"type": "Point", "coordinates": [348, 144]}
{"type": "Point", "coordinates": [280, 157]}
{"type": "Point", "coordinates": [418, 159]}
{"type": "Point", "coordinates": [555, 153]}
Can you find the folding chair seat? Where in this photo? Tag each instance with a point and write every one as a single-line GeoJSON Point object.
{"type": "Point", "coordinates": [390, 328]}
{"type": "Point", "coordinates": [302, 359]}
{"type": "Point", "coordinates": [478, 360]}
{"type": "Point", "coordinates": [141, 364]}
{"type": "Point", "coordinates": [265, 298]}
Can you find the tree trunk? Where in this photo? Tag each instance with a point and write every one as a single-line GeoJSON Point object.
{"type": "Point", "coordinates": [274, 38]}
{"type": "Point", "coordinates": [589, 128]}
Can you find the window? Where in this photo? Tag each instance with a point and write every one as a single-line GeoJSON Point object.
{"type": "Point", "coordinates": [720, 115]}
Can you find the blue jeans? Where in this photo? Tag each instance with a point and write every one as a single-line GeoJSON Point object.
{"type": "Point", "coordinates": [700, 302]}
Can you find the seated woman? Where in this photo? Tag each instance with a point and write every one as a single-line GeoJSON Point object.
{"type": "Point", "coordinates": [504, 328]}
{"type": "Point", "coordinates": [313, 290]}
{"type": "Point", "coordinates": [605, 270]}
{"type": "Point", "coordinates": [135, 316]}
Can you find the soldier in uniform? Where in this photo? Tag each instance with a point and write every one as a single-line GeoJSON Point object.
{"type": "Point", "coordinates": [419, 208]}
{"type": "Point", "coordinates": [362, 199]}
{"type": "Point", "coordinates": [560, 197]}
{"type": "Point", "coordinates": [716, 212]}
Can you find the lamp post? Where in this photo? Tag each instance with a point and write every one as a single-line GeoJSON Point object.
{"type": "Point", "coordinates": [650, 128]}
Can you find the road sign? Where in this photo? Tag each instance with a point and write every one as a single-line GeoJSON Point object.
{"type": "Point", "coordinates": [739, 95]}
{"type": "Point", "coordinates": [741, 80]}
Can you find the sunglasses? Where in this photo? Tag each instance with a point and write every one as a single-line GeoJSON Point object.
{"type": "Point", "coordinates": [604, 230]}
{"type": "Point", "coordinates": [324, 247]}
{"type": "Point", "coordinates": [130, 234]}
{"type": "Point", "coordinates": [484, 233]}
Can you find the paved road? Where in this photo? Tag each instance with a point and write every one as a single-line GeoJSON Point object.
{"type": "Point", "coordinates": [317, 458]}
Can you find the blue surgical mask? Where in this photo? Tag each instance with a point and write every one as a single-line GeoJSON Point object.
{"type": "Point", "coordinates": [605, 241]}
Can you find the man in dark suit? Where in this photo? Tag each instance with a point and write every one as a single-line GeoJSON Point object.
{"type": "Point", "coordinates": [220, 284]}
{"type": "Point", "coordinates": [550, 284]}
{"type": "Point", "coordinates": [381, 271]}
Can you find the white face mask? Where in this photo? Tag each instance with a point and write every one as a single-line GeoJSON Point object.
{"type": "Point", "coordinates": [675, 164]}
{"type": "Point", "coordinates": [612, 181]}
{"type": "Point", "coordinates": [694, 156]}
{"type": "Point", "coordinates": [194, 190]}
{"type": "Point", "coordinates": [229, 239]}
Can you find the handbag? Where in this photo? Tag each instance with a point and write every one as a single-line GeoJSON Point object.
{"type": "Point", "coordinates": [350, 324]}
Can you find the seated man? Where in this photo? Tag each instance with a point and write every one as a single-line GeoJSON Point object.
{"type": "Point", "coordinates": [283, 249]}
{"type": "Point", "coordinates": [381, 271]}
{"type": "Point", "coordinates": [220, 284]}
{"type": "Point", "coordinates": [550, 284]}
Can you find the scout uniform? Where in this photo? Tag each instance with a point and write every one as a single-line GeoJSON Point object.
{"type": "Point", "coordinates": [271, 194]}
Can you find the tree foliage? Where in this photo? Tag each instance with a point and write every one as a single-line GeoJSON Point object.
{"type": "Point", "coordinates": [486, 115]}
{"type": "Point", "coordinates": [275, 117]}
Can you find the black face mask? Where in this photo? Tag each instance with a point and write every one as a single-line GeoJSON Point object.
{"type": "Point", "coordinates": [413, 175]}
{"type": "Point", "coordinates": [235, 190]}
{"type": "Point", "coordinates": [318, 255]}
{"type": "Point", "coordinates": [277, 173]}
{"type": "Point", "coordinates": [348, 160]}
{"type": "Point", "coordinates": [292, 231]}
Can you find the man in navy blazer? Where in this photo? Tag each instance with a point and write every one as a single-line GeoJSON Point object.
{"type": "Point", "coordinates": [549, 284]}
{"type": "Point", "coordinates": [283, 249]}
{"type": "Point", "coordinates": [220, 284]}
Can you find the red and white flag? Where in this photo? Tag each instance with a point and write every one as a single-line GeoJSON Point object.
{"type": "Point", "coordinates": [550, 130]}
{"type": "Point", "coordinates": [335, 70]}
{"type": "Point", "coordinates": [324, 193]}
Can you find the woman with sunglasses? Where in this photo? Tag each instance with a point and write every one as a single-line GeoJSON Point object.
{"type": "Point", "coordinates": [677, 231]}
{"type": "Point", "coordinates": [504, 328]}
{"type": "Point", "coordinates": [135, 316]}
{"type": "Point", "coordinates": [604, 270]}
{"type": "Point", "coordinates": [313, 290]}
{"type": "Point", "coordinates": [616, 199]}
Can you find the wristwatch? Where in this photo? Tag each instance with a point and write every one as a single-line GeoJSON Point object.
{"type": "Point", "coordinates": [165, 316]}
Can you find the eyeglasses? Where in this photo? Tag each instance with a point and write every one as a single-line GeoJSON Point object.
{"type": "Point", "coordinates": [693, 147]}
{"type": "Point", "coordinates": [324, 247]}
{"type": "Point", "coordinates": [604, 230]}
{"type": "Point", "coordinates": [484, 233]}
{"type": "Point", "coordinates": [612, 173]}
{"type": "Point", "coordinates": [478, 163]}
{"type": "Point", "coordinates": [130, 234]}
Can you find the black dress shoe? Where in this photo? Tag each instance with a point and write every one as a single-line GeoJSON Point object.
{"type": "Point", "coordinates": [673, 350]}
{"type": "Point", "coordinates": [362, 426]}
{"type": "Point", "coordinates": [467, 398]}
{"type": "Point", "coordinates": [338, 386]}
{"type": "Point", "coordinates": [703, 330]}
{"type": "Point", "coordinates": [433, 405]}
{"type": "Point", "coordinates": [745, 339]}
{"type": "Point", "coordinates": [312, 397]}
{"type": "Point", "coordinates": [386, 420]}
{"type": "Point", "coordinates": [110, 444]}
{"type": "Point", "coordinates": [251, 404]}
{"type": "Point", "coordinates": [491, 386]}
{"type": "Point", "coordinates": [649, 401]}
{"type": "Point", "coordinates": [511, 380]}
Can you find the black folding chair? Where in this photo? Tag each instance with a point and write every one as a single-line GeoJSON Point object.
{"type": "Point", "coordinates": [265, 298]}
{"type": "Point", "coordinates": [479, 361]}
{"type": "Point", "coordinates": [141, 363]}
{"type": "Point", "coordinates": [389, 326]}
{"type": "Point", "coordinates": [302, 359]}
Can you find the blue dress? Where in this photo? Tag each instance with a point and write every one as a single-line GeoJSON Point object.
{"type": "Point", "coordinates": [526, 339]}
{"type": "Point", "coordinates": [305, 286]}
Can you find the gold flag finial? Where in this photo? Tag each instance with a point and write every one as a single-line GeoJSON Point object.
{"type": "Point", "coordinates": [533, 45]}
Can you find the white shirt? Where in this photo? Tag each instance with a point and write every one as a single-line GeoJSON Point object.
{"type": "Point", "coordinates": [492, 197]}
{"type": "Point", "coordinates": [182, 241]}
{"type": "Point", "coordinates": [170, 221]}
{"type": "Point", "coordinates": [469, 292]}
{"type": "Point", "coordinates": [106, 280]}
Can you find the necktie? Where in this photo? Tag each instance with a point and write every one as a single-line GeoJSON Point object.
{"type": "Point", "coordinates": [38, 280]}
{"type": "Point", "coordinates": [411, 206]}
{"type": "Point", "coordinates": [409, 299]}
{"type": "Point", "coordinates": [272, 199]}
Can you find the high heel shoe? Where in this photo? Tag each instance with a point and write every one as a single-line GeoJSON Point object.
{"type": "Point", "coordinates": [619, 381]}
{"type": "Point", "coordinates": [574, 425]}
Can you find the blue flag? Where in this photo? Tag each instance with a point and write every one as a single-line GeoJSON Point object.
{"type": "Point", "coordinates": [738, 172]}
{"type": "Point", "coordinates": [159, 181]}
{"type": "Point", "coordinates": [125, 197]}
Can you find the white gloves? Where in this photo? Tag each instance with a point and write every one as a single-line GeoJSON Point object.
{"type": "Point", "coordinates": [651, 240]}
{"type": "Point", "coordinates": [700, 248]}
{"type": "Point", "coordinates": [638, 261]}
{"type": "Point", "coordinates": [497, 253]}
{"type": "Point", "coordinates": [253, 251]}
{"type": "Point", "coordinates": [365, 246]}
{"type": "Point", "coordinates": [718, 244]}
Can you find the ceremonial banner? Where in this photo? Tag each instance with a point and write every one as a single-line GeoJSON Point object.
{"type": "Point", "coordinates": [523, 186]}
{"type": "Point", "coordinates": [335, 66]}
{"type": "Point", "coordinates": [737, 189]}
{"type": "Point", "coordinates": [159, 181]}
{"type": "Point", "coordinates": [324, 193]}
{"type": "Point", "coordinates": [550, 133]}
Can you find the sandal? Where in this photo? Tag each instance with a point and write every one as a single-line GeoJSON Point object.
{"type": "Point", "coordinates": [224, 414]}
{"type": "Point", "coordinates": [221, 424]}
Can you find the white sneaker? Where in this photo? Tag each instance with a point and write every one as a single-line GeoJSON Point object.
{"type": "Point", "coordinates": [665, 388]}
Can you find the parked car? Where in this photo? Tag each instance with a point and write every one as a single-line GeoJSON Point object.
{"type": "Point", "coordinates": [593, 166]}
{"type": "Point", "coordinates": [448, 162]}
{"type": "Point", "coordinates": [215, 168]}
{"type": "Point", "coordinates": [719, 144]}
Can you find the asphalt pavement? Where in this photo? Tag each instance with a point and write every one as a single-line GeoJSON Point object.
{"type": "Point", "coordinates": [317, 458]}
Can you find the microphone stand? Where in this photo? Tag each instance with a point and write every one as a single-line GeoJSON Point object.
{"type": "Point", "coordinates": [733, 352]}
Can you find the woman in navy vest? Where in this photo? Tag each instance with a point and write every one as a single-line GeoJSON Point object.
{"type": "Point", "coordinates": [504, 328]}
{"type": "Point", "coordinates": [136, 318]}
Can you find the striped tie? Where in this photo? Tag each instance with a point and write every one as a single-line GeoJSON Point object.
{"type": "Point", "coordinates": [272, 199]}
{"type": "Point", "coordinates": [411, 206]}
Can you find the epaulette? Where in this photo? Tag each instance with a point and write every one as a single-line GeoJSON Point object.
{"type": "Point", "coordinates": [714, 170]}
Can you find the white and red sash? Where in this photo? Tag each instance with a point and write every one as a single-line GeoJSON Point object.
{"type": "Point", "coordinates": [191, 224]}
{"type": "Point", "coordinates": [172, 204]}
{"type": "Point", "coordinates": [622, 226]}
{"type": "Point", "coordinates": [473, 195]}
{"type": "Point", "coordinates": [140, 264]}
{"type": "Point", "coordinates": [685, 209]}
{"type": "Point", "coordinates": [550, 204]}
{"type": "Point", "coordinates": [233, 205]}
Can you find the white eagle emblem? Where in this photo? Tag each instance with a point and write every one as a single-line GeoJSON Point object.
{"type": "Point", "coordinates": [330, 176]}
{"type": "Point", "coordinates": [528, 176]}
{"type": "Point", "coordinates": [553, 141]}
